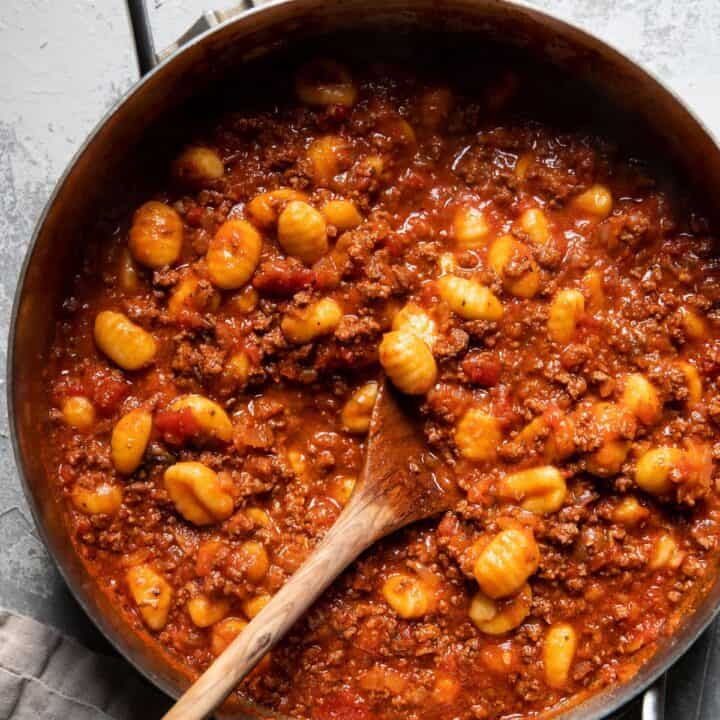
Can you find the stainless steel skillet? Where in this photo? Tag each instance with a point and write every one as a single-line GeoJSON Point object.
{"type": "Point", "coordinates": [108, 157]}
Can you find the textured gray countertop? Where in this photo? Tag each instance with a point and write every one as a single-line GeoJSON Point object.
{"type": "Point", "coordinates": [63, 64]}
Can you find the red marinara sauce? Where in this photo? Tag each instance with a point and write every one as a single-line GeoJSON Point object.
{"type": "Point", "coordinates": [548, 299]}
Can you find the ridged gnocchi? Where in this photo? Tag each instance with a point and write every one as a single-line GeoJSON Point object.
{"type": "Point", "coordinates": [469, 299]}
{"type": "Point", "coordinates": [302, 232]}
{"type": "Point", "coordinates": [506, 562]}
{"type": "Point", "coordinates": [540, 490]}
{"type": "Point", "coordinates": [408, 362]}
{"type": "Point", "coordinates": [197, 493]}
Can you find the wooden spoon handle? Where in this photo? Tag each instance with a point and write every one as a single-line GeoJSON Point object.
{"type": "Point", "coordinates": [361, 523]}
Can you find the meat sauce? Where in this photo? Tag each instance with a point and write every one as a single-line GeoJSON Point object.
{"type": "Point", "coordinates": [550, 302]}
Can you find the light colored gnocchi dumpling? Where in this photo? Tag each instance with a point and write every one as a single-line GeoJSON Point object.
{"type": "Point", "coordinates": [641, 398]}
{"type": "Point", "coordinates": [105, 499]}
{"type": "Point", "coordinates": [506, 562]}
{"type": "Point", "coordinates": [198, 164]}
{"type": "Point", "coordinates": [152, 595]}
{"type": "Point", "coordinates": [342, 214]}
{"type": "Point", "coordinates": [129, 440]}
{"type": "Point", "coordinates": [78, 412]}
{"type": "Point", "coordinates": [566, 310]}
{"type": "Point", "coordinates": [264, 209]}
{"type": "Point", "coordinates": [597, 201]}
{"type": "Point", "coordinates": [205, 611]}
{"type": "Point", "coordinates": [311, 322]}
{"type": "Point", "coordinates": [325, 82]}
{"type": "Point", "coordinates": [233, 254]}
{"type": "Point", "coordinates": [408, 362]}
{"type": "Point", "coordinates": [407, 595]}
{"type": "Point", "coordinates": [559, 648]}
{"type": "Point", "coordinates": [357, 411]}
{"type": "Point", "coordinates": [514, 264]}
{"type": "Point", "coordinates": [197, 494]}
{"type": "Point", "coordinates": [478, 435]}
{"type": "Point", "coordinates": [495, 617]}
{"type": "Point", "coordinates": [414, 319]}
{"type": "Point", "coordinates": [540, 490]}
{"type": "Point", "coordinates": [212, 421]}
{"type": "Point", "coordinates": [156, 235]}
{"type": "Point", "coordinates": [469, 299]}
{"type": "Point", "coordinates": [125, 343]}
{"type": "Point", "coordinates": [470, 227]}
{"type": "Point", "coordinates": [302, 232]}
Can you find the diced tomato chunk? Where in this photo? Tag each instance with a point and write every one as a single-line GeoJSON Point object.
{"type": "Point", "coordinates": [177, 426]}
{"type": "Point", "coordinates": [482, 368]}
{"type": "Point", "coordinates": [106, 388]}
{"type": "Point", "coordinates": [282, 277]}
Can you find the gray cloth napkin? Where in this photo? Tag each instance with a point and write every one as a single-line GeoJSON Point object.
{"type": "Point", "coordinates": [45, 675]}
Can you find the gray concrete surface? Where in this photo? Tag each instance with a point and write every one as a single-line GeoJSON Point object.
{"type": "Point", "coordinates": [64, 63]}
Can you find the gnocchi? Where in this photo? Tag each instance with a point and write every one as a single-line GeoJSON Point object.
{"type": "Point", "coordinates": [197, 494]}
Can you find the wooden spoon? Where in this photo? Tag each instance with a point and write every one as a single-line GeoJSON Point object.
{"type": "Point", "coordinates": [400, 483]}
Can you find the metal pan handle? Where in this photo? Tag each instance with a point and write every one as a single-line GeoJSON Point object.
{"type": "Point", "coordinates": [147, 56]}
{"type": "Point", "coordinates": [653, 704]}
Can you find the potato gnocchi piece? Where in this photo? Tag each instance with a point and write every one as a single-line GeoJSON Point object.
{"type": "Point", "coordinates": [413, 319]}
{"type": "Point", "coordinates": [233, 254]}
{"type": "Point", "coordinates": [152, 595]}
{"type": "Point", "coordinates": [408, 362]}
{"type": "Point", "coordinates": [205, 611]}
{"type": "Point", "coordinates": [541, 490]}
{"type": "Point", "coordinates": [212, 421]}
{"type": "Point", "coordinates": [514, 264]}
{"type": "Point", "coordinates": [342, 214]}
{"type": "Point", "coordinates": [357, 411]}
{"type": "Point", "coordinates": [469, 299]}
{"type": "Point", "coordinates": [125, 343]}
{"type": "Point", "coordinates": [302, 232]}
{"type": "Point", "coordinates": [325, 82]}
{"type": "Point", "coordinates": [642, 399]}
{"type": "Point", "coordinates": [597, 201]}
{"type": "Point", "coordinates": [504, 565]}
{"type": "Point", "coordinates": [566, 310]}
{"type": "Point", "coordinates": [408, 596]}
{"type": "Point", "coordinates": [129, 440]}
{"type": "Point", "coordinates": [498, 617]}
{"type": "Point", "coordinates": [318, 319]}
{"type": "Point", "coordinates": [559, 648]}
{"type": "Point", "coordinates": [105, 499]}
{"type": "Point", "coordinates": [156, 235]}
{"type": "Point", "coordinates": [197, 494]}
{"type": "Point", "coordinates": [478, 435]}
{"type": "Point", "coordinates": [470, 228]}
{"type": "Point", "coordinates": [197, 164]}
{"type": "Point", "coordinates": [78, 412]}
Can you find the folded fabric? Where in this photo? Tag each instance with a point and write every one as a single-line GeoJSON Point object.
{"type": "Point", "coordinates": [45, 675]}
